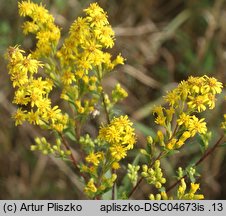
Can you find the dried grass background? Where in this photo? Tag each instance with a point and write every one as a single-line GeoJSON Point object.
{"type": "Point", "coordinates": [164, 42]}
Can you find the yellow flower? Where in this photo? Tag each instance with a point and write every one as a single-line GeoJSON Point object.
{"type": "Point", "coordinates": [33, 117]}
{"type": "Point", "coordinates": [115, 165]}
{"type": "Point", "coordinates": [68, 77]}
{"type": "Point", "coordinates": [191, 194]}
{"type": "Point", "coordinates": [197, 102]}
{"type": "Point", "coordinates": [96, 15]}
{"type": "Point", "coordinates": [19, 116]}
{"type": "Point", "coordinates": [196, 84]}
{"type": "Point", "coordinates": [41, 24]}
{"type": "Point", "coordinates": [43, 105]}
{"type": "Point", "coordinates": [118, 152]}
{"type": "Point", "coordinates": [183, 90]}
{"type": "Point", "coordinates": [94, 158]}
{"type": "Point", "coordinates": [211, 100]}
{"type": "Point", "coordinates": [105, 35]}
{"type": "Point", "coordinates": [26, 8]}
{"type": "Point", "coordinates": [185, 136]}
{"type": "Point", "coordinates": [181, 189]}
{"type": "Point", "coordinates": [171, 144]}
{"type": "Point", "coordinates": [90, 187]}
{"type": "Point", "coordinates": [21, 97]}
{"type": "Point", "coordinates": [172, 98]}
{"type": "Point", "coordinates": [120, 135]}
{"type": "Point", "coordinates": [183, 119]}
{"type": "Point", "coordinates": [169, 113]}
{"type": "Point", "coordinates": [160, 120]}
{"type": "Point", "coordinates": [158, 110]}
{"type": "Point", "coordinates": [212, 85]}
{"type": "Point", "coordinates": [30, 27]}
{"type": "Point", "coordinates": [197, 126]}
{"type": "Point", "coordinates": [53, 113]}
{"type": "Point", "coordinates": [119, 60]}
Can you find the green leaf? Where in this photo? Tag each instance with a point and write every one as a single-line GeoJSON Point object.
{"type": "Point", "coordinates": [144, 129]}
{"type": "Point", "coordinates": [223, 145]}
{"type": "Point", "coordinates": [70, 135]}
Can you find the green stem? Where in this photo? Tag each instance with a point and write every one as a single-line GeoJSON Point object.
{"type": "Point", "coordinates": [99, 75]}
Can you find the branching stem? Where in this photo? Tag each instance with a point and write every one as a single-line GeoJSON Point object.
{"type": "Point", "coordinates": [204, 156]}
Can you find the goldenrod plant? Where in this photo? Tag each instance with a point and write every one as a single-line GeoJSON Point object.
{"type": "Point", "coordinates": [77, 68]}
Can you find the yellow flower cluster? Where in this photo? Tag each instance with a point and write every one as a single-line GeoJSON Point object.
{"type": "Point", "coordinates": [120, 135]}
{"type": "Point", "coordinates": [95, 158]}
{"type": "Point", "coordinates": [196, 93]}
{"type": "Point", "coordinates": [84, 59]}
{"type": "Point", "coordinates": [88, 37]}
{"type": "Point", "coordinates": [181, 193]}
{"type": "Point", "coordinates": [42, 25]}
{"type": "Point", "coordinates": [32, 94]}
{"type": "Point", "coordinates": [91, 188]}
{"type": "Point", "coordinates": [191, 195]}
{"type": "Point", "coordinates": [191, 96]}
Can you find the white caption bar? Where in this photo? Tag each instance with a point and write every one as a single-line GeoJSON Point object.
{"type": "Point", "coordinates": [115, 207]}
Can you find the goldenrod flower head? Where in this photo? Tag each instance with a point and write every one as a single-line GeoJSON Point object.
{"type": "Point", "coordinates": [172, 98]}
{"type": "Point", "coordinates": [115, 165]}
{"type": "Point", "coordinates": [181, 192]}
{"type": "Point", "coordinates": [181, 189]}
{"type": "Point", "coordinates": [171, 144]}
{"type": "Point", "coordinates": [212, 85]}
{"type": "Point", "coordinates": [198, 102]}
{"type": "Point", "coordinates": [120, 135]}
{"type": "Point", "coordinates": [197, 92]}
{"type": "Point", "coordinates": [33, 92]}
{"type": "Point", "coordinates": [160, 137]}
{"type": "Point", "coordinates": [26, 8]}
{"type": "Point", "coordinates": [88, 37]}
{"type": "Point", "coordinates": [182, 139]}
{"type": "Point", "coordinates": [90, 188]}
{"type": "Point", "coordinates": [20, 116]}
{"type": "Point", "coordinates": [197, 126]}
{"type": "Point", "coordinates": [94, 158]}
{"type": "Point", "coordinates": [42, 25]}
{"type": "Point", "coordinates": [183, 119]}
{"type": "Point", "coordinates": [118, 152]}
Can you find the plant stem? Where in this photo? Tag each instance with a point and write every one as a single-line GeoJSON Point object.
{"type": "Point", "coordinates": [141, 179]}
{"type": "Point", "coordinates": [99, 72]}
{"type": "Point", "coordinates": [69, 149]}
{"type": "Point", "coordinates": [204, 156]}
{"type": "Point", "coordinates": [74, 162]}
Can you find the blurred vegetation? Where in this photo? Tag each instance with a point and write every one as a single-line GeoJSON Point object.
{"type": "Point", "coordinates": [164, 42]}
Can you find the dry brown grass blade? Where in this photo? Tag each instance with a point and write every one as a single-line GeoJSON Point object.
{"type": "Point", "coordinates": [71, 175]}
{"type": "Point", "coordinates": [135, 31]}
{"type": "Point", "coordinates": [141, 76]}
